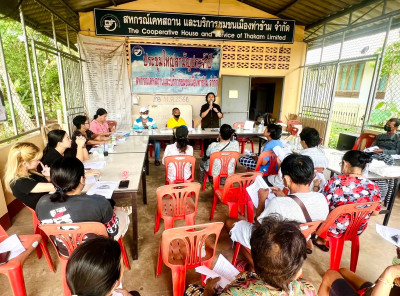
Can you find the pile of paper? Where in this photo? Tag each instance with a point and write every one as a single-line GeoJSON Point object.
{"type": "Point", "coordinates": [13, 245]}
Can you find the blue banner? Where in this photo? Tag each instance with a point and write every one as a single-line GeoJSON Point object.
{"type": "Point", "coordinates": [160, 69]}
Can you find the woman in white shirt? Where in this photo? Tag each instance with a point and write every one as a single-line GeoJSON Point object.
{"type": "Point", "coordinates": [180, 147]}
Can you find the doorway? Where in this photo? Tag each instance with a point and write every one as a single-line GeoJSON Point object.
{"type": "Point", "coordinates": [265, 97]}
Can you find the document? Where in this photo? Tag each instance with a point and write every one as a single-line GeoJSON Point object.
{"type": "Point", "coordinates": [252, 190]}
{"type": "Point", "coordinates": [371, 149]}
{"type": "Point", "coordinates": [94, 165]}
{"type": "Point", "coordinates": [105, 188]}
{"type": "Point", "coordinates": [222, 268]}
{"type": "Point", "coordinates": [121, 133]}
{"type": "Point", "coordinates": [281, 152]}
{"type": "Point", "coordinates": [13, 245]}
{"type": "Point", "coordinates": [390, 234]}
{"type": "Point", "coordinates": [248, 125]}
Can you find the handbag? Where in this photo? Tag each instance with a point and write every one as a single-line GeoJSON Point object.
{"type": "Point", "coordinates": [206, 157]}
{"type": "Point", "coordinates": [302, 206]}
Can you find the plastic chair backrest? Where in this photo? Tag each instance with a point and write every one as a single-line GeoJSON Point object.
{"type": "Point", "coordinates": [194, 237]}
{"type": "Point", "coordinates": [3, 234]}
{"type": "Point", "coordinates": [178, 193]}
{"type": "Point", "coordinates": [71, 238]}
{"type": "Point", "coordinates": [357, 213]}
{"type": "Point", "coordinates": [225, 158]}
{"type": "Point", "coordinates": [309, 228]}
{"type": "Point", "coordinates": [235, 187]}
{"type": "Point", "coordinates": [236, 124]}
{"type": "Point", "coordinates": [112, 124]}
{"type": "Point", "coordinates": [367, 138]}
{"type": "Point", "coordinates": [179, 162]}
{"type": "Point", "coordinates": [272, 168]}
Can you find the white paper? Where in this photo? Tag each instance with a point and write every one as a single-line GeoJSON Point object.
{"type": "Point", "coordinates": [281, 152]}
{"type": "Point", "coordinates": [382, 169]}
{"type": "Point", "coordinates": [248, 125]}
{"type": "Point", "coordinates": [252, 190]}
{"type": "Point", "coordinates": [105, 188]}
{"type": "Point", "coordinates": [90, 180]}
{"type": "Point", "coordinates": [390, 234]}
{"type": "Point", "coordinates": [396, 156]}
{"type": "Point", "coordinates": [371, 149]}
{"type": "Point", "coordinates": [95, 165]}
{"type": "Point", "coordinates": [12, 244]}
{"type": "Point", "coordinates": [116, 293]}
{"type": "Point", "coordinates": [121, 133]}
{"type": "Point", "coordinates": [166, 131]}
{"type": "Point", "coordinates": [212, 274]}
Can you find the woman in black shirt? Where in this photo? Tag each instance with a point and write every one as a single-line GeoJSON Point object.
{"type": "Point", "coordinates": [21, 177]}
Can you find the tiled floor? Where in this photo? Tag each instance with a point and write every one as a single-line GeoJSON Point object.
{"type": "Point", "coordinates": [375, 253]}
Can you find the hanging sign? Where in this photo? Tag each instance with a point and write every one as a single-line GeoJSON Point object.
{"type": "Point", "coordinates": [160, 69]}
{"type": "Point", "coordinates": [111, 22]}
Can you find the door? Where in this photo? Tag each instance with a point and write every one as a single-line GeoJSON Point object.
{"type": "Point", "coordinates": [235, 99]}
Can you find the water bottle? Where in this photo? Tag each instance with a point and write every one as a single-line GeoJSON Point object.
{"type": "Point", "coordinates": [114, 139]}
{"type": "Point", "coordinates": [396, 259]}
{"type": "Point", "coordinates": [199, 128]}
{"type": "Point", "coordinates": [150, 130]}
{"type": "Point", "coordinates": [110, 146]}
{"type": "Point", "coordinates": [261, 126]}
{"type": "Point", "coordinates": [238, 128]}
{"type": "Point", "coordinates": [100, 151]}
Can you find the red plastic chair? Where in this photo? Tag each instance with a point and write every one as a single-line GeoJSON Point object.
{"type": "Point", "coordinates": [357, 213]}
{"type": "Point", "coordinates": [306, 229]}
{"type": "Point", "coordinates": [234, 194]}
{"type": "Point", "coordinates": [111, 124]}
{"type": "Point", "coordinates": [366, 139]}
{"type": "Point", "coordinates": [13, 268]}
{"type": "Point", "coordinates": [273, 163]}
{"type": "Point", "coordinates": [36, 230]}
{"type": "Point", "coordinates": [175, 202]}
{"type": "Point", "coordinates": [291, 125]}
{"type": "Point", "coordinates": [181, 250]}
{"type": "Point", "coordinates": [179, 162]}
{"type": "Point", "coordinates": [225, 158]}
{"type": "Point", "coordinates": [72, 235]}
{"type": "Point", "coordinates": [243, 141]}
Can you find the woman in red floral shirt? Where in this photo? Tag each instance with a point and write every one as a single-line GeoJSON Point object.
{"type": "Point", "coordinates": [347, 188]}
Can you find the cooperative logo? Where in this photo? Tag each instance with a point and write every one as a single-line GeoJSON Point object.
{"type": "Point", "coordinates": [137, 50]}
{"type": "Point", "coordinates": [109, 22]}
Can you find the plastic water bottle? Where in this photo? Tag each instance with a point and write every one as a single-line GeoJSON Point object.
{"type": "Point", "coordinates": [150, 130]}
{"type": "Point", "coordinates": [110, 146]}
{"type": "Point", "coordinates": [238, 128]}
{"type": "Point", "coordinates": [100, 151]}
{"type": "Point", "coordinates": [114, 139]}
{"type": "Point", "coordinates": [199, 128]}
{"type": "Point", "coordinates": [261, 126]}
{"type": "Point", "coordinates": [396, 259]}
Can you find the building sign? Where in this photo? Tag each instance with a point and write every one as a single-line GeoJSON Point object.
{"type": "Point", "coordinates": [159, 69]}
{"type": "Point", "coordinates": [110, 22]}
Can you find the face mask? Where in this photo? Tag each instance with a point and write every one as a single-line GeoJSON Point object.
{"type": "Point", "coordinates": [387, 128]}
{"type": "Point", "coordinates": [177, 116]}
{"type": "Point", "coordinates": [144, 116]}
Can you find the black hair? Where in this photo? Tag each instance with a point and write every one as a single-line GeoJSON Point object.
{"type": "Point", "coordinates": [100, 112]}
{"type": "Point", "coordinates": [173, 109]}
{"type": "Point", "coordinates": [310, 136]}
{"type": "Point", "coordinates": [395, 120]}
{"type": "Point", "coordinates": [182, 141]}
{"type": "Point", "coordinates": [210, 93]}
{"type": "Point", "coordinates": [79, 120]}
{"type": "Point", "coordinates": [94, 267]}
{"type": "Point", "coordinates": [53, 138]}
{"type": "Point", "coordinates": [226, 131]}
{"type": "Point", "coordinates": [357, 158]}
{"type": "Point", "coordinates": [278, 249]}
{"type": "Point", "coordinates": [65, 175]}
{"type": "Point", "coordinates": [275, 131]}
{"type": "Point", "coordinates": [299, 168]}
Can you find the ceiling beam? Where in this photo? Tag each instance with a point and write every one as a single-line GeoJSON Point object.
{"type": "Point", "coordinates": [293, 2]}
{"type": "Point", "coordinates": [74, 27]}
{"type": "Point", "coordinates": [69, 8]}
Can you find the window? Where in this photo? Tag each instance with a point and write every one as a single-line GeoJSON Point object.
{"type": "Point", "coordinates": [349, 80]}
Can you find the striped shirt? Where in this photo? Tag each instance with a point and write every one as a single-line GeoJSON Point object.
{"type": "Point", "coordinates": [139, 123]}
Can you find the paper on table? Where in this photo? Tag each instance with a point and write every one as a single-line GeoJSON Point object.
{"type": "Point", "coordinates": [252, 190]}
{"type": "Point", "coordinates": [12, 244]}
{"type": "Point", "coordinates": [390, 234]}
{"type": "Point", "coordinates": [396, 156]}
{"type": "Point", "coordinates": [90, 180]}
{"type": "Point", "coordinates": [222, 268]}
{"type": "Point", "coordinates": [105, 188]}
{"type": "Point", "coordinates": [95, 165]}
{"type": "Point", "coordinates": [248, 125]}
{"type": "Point", "coordinates": [371, 149]}
{"type": "Point", "coordinates": [281, 152]}
{"type": "Point", "coordinates": [121, 133]}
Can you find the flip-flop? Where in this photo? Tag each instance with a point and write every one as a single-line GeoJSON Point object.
{"type": "Point", "coordinates": [323, 247]}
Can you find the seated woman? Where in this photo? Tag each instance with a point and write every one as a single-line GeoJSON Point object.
{"type": "Point", "coordinates": [278, 249]}
{"type": "Point", "coordinates": [96, 268]}
{"type": "Point", "coordinates": [350, 187]}
{"type": "Point", "coordinates": [99, 124]}
{"type": "Point", "coordinates": [59, 145]}
{"type": "Point", "coordinates": [273, 133]}
{"type": "Point", "coordinates": [309, 141]}
{"type": "Point", "coordinates": [69, 205]}
{"type": "Point", "coordinates": [224, 143]}
{"type": "Point", "coordinates": [180, 147]}
{"type": "Point", "coordinates": [21, 176]}
{"type": "Point", "coordinates": [81, 123]}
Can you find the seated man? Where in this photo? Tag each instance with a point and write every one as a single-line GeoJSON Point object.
{"type": "Point", "coordinates": [297, 172]}
{"type": "Point", "coordinates": [389, 142]}
{"type": "Point", "coordinates": [146, 122]}
{"type": "Point", "coordinates": [176, 120]}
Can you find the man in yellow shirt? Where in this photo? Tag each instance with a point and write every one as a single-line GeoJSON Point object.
{"type": "Point", "coordinates": [176, 120]}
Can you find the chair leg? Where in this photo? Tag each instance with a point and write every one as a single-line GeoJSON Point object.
{"type": "Point", "coordinates": [189, 220]}
{"type": "Point", "coordinates": [43, 248]}
{"type": "Point", "coordinates": [243, 144]}
{"type": "Point", "coordinates": [124, 254]}
{"type": "Point", "coordinates": [178, 280]}
{"type": "Point", "coordinates": [201, 148]}
{"type": "Point", "coordinates": [214, 205]}
{"type": "Point", "coordinates": [16, 278]}
{"type": "Point", "coordinates": [336, 247]}
{"type": "Point", "coordinates": [355, 249]}
{"type": "Point", "coordinates": [168, 223]}
{"type": "Point", "coordinates": [236, 253]}
{"type": "Point", "coordinates": [159, 262]}
{"type": "Point", "coordinates": [157, 224]}
{"type": "Point", "coordinates": [151, 151]}
{"type": "Point", "coordinates": [252, 146]}
{"type": "Point", "coordinates": [205, 180]}
{"type": "Point", "coordinates": [250, 212]}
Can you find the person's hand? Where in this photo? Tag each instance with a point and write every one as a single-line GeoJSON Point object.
{"type": "Point", "coordinates": [211, 286]}
{"type": "Point", "coordinates": [80, 141]}
{"type": "Point", "coordinates": [262, 195]}
{"type": "Point", "coordinates": [90, 173]}
{"type": "Point", "coordinates": [45, 169]}
{"type": "Point", "coordinates": [123, 292]}
{"type": "Point", "coordinates": [255, 157]}
{"type": "Point", "coordinates": [391, 274]}
{"type": "Point", "coordinates": [277, 191]}
{"type": "Point", "coordinates": [378, 151]}
{"type": "Point", "coordinates": [113, 130]}
{"type": "Point", "coordinates": [215, 110]}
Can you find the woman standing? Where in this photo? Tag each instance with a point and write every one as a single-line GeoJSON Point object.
{"type": "Point", "coordinates": [99, 123]}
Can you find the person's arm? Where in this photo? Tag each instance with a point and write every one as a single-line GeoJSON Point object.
{"type": "Point", "coordinates": [43, 187]}
{"type": "Point", "coordinates": [205, 112]}
{"type": "Point", "coordinates": [169, 123]}
{"type": "Point", "coordinates": [262, 197]}
{"type": "Point", "coordinates": [218, 110]}
{"type": "Point", "coordinates": [80, 154]}
{"type": "Point", "coordinates": [385, 282]}
{"type": "Point", "coordinates": [136, 125]}
{"type": "Point", "coordinates": [153, 124]}
{"type": "Point", "coordinates": [211, 286]}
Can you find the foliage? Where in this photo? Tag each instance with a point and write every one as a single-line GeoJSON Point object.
{"type": "Point", "coordinates": [382, 112]}
{"type": "Point", "coordinates": [336, 129]}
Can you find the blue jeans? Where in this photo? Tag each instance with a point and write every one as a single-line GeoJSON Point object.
{"type": "Point", "coordinates": [157, 148]}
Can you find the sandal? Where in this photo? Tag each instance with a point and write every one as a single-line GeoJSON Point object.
{"type": "Point", "coordinates": [322, 247]}
{"type": "Point", "coordinates": [241, 265]}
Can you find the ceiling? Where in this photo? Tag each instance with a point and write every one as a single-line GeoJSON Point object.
{"type": "Point", "coordinates": [304, 12]}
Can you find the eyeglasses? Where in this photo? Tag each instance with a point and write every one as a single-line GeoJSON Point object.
{"type": "Point", "coordinates": [86, 122]}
